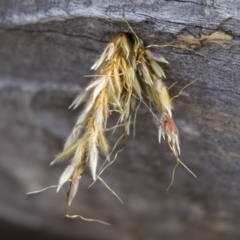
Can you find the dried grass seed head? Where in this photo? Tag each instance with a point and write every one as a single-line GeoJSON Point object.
{"type": "Point", "coordinates": [125, 72]}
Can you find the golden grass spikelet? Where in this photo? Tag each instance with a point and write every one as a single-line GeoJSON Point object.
{"type": "Point", "coordinates": [126, 71]}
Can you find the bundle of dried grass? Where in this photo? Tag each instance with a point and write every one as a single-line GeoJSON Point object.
{"type": "Point", "coordinates": [127, 71]}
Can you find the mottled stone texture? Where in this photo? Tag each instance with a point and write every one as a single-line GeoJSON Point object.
{"type": "Point", "coordinates": [46, 48]}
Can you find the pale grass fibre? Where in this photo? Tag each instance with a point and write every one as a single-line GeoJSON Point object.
{"type": "Point", "coordinates": [127, 72]}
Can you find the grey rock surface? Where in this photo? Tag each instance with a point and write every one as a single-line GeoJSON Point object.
{"type": "Point", "coordinates": [46, 49]}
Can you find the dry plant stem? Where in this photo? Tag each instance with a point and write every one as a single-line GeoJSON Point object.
{"type": "Point", "coordinates": [110, 189]}
{"type": "Point", "coordinates": [42, 190]}
{"type": "Point", "coordinates": [126, 72]}
{"type": "Point", "coordinates": [86, 219]}
{"type": "Point", "coordinates": [176, 96]}
{"type": "Point", "coordinates": [103, 168]}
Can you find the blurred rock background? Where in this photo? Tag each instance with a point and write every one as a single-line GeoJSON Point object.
{"type": "Point", "coordinates": [46, 48]}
